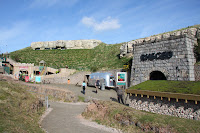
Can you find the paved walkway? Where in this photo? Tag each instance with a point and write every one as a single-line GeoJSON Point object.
{"type": "Point", "coordinates": [66, 118]}
{"type": "Point", "coordinates": [107, 94]}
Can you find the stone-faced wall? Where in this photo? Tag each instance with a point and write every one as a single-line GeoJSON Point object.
{"type": "Point", "coordinates": [164, 107]}
{"type": "Point", "coordinates": [17, 67]}
{"type": "Point", "coordinates": [126, 49]}
{"type": "Point", "coordinates": [197, 72]}
{"type": "Point", "coordinates": [66, 44]}
{"type": "Point", "coordinates": [172, 56]}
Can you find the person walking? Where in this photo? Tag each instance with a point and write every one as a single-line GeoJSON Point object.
{"type": "Point", "coordinates": [120, 94]}
{"type": "Point", "coordinates": [68, 81]}
{"type": "Point", "coordinates": [97, 85]}
{"type": "Point", "coordinates": [84, 87]}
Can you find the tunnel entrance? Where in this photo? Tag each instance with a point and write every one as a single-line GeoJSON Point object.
{"type": "Point", "coordinates": [157, 75]}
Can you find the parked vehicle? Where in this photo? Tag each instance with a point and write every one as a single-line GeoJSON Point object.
{"type": "Point", "coordinates": [106, 79]}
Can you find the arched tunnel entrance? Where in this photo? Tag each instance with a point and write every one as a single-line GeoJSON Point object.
{"type": "Point", "coordinates": [157, 75]}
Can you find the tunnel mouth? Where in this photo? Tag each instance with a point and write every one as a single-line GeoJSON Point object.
{"type": "Point", "coordinates": [157, 75]}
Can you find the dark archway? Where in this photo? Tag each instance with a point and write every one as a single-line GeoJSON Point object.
{"type": "Point", "coordinates": [157, 75]}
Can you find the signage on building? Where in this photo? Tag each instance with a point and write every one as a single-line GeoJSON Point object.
{"type": "Point", "coordinates": [156, 56]}
{"type": "Point", "coordinates": [121, 78]}
{"type": "Point", "coordinates": [23, 67]}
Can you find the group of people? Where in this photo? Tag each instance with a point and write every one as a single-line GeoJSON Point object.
{"type": "Point", "coordinates": [97, 86]}
{"type": "Point", "coordinates": [120, 90]}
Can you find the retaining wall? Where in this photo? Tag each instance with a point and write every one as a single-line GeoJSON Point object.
{"type": "Point", "coordinates": [197, 72]}
{"type": "Point", "coordinates": [180, 109]}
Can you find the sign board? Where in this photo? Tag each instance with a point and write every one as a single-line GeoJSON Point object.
{"type": "Point", "coordinates": [37, 78]}
{"type": "Point", "coordinates": [121, 78]}
{"type": "Point", "coordinates": [23, 67]}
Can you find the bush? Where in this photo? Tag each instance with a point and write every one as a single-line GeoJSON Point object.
{"type": "Point", "coordinates": [197, 51]}
{"type": "Point", "coordinates": [93, 69]}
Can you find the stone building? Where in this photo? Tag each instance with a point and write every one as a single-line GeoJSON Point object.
{"type": "Point", "coordinates": [168, 57]}
{"type": "Point", "coordinates": [65, 44]}
{"type": "Point", "coordinates": [22, 67]}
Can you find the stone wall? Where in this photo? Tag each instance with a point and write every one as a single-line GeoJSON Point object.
{"type": "Point", "coordinates": [66, 44]}
{"type": "Point", "coordinates": [55, 92]}
{"type": "Point", "coordinates": [173, 57]}
{"type": "Point", "coordinates": [17, 67]}
{"type": "Point", "coordinates": [197, 72]}
{"type": "Point", "coordinates": [180, 109]}
{"type": "Point", "coordinates": [127, 48]}
{"type": "Point", "coordinates": [76, 78]}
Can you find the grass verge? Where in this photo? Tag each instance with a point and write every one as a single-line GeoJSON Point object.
{"type": "Point", "coordinates": [20, 110]}
{"type": "Point", "coordinates": [81, 99]}
{"type": "Point", "coordinates": [185, 87]}
{"type": "Point", "coordinates": [130, 120]}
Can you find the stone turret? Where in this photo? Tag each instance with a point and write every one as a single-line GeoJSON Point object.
{"type": "Point", "coordinates": [65, 44]}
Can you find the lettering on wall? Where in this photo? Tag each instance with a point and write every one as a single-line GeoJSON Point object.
{"type": "Point", "coordinates": [156, 56]}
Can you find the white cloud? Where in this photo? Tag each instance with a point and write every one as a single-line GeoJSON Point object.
{"type": "Point", "coordinates": [50, 3]}
{"type": "Point", "coordinates": [106, 24]}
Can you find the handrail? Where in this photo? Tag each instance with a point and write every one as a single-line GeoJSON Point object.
{"type": "Point", "coordinates": [165, 94]}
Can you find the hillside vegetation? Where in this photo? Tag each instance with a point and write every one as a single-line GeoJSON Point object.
{"type": "Point", "coordinates": [130, 120]}
{"type": "Point", "coordinates": [101, 57]}
{"type": "Point", "coordinates": [19, 110]}
{"type": "Point", "coordinates": [185, 87]}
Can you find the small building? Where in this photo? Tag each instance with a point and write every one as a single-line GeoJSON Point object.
{"type": "Point", "coordinates": [166, 58]}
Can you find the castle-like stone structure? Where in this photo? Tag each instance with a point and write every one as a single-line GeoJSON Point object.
{"type": "Point", "coordinates": [127, 48]}
{"type": "Point", "coordinates": [164, 58]}
{"type": "Point", "coordinates": [65, 44]}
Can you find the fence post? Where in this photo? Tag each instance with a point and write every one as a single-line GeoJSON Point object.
{"type": "Point", "coordinates": [46, 99]}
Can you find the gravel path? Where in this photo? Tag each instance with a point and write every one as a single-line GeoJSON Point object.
{"type": "Point", "coordinates": [66, 118]}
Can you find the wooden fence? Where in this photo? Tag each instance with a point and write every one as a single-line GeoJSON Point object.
{"type": "Point", "coordinates": [168, 95]}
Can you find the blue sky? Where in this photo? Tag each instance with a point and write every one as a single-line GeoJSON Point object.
{"type": "Point", "coordinates": [111, 21]}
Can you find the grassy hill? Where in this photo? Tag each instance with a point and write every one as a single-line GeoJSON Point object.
{"type": "Point", "coordinates": [101, 57]}
{"type": "Point", "coordinates": [18, 109]}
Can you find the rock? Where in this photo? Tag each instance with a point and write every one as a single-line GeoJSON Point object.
{"type": "Point", "coordinates": [138, 124]}
{"type": "Point", "coordinates": [131, 123]}
{"type": "Point", "coordinates": [126, 122]}
{"type": "Point", "coordinates": [167, 35]}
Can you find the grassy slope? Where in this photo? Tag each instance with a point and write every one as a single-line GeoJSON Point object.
{"type": "Point", "coordinates": [16, 109]}
{"type": "Point", "coordinates": [116, 113]}
{"type": "Point", "coordinates": [102, 56]}
{"type": "Point", "coordinates": [186, 87]}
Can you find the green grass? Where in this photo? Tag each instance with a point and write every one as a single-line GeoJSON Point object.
{"type": "Point", "coordinates": [81, 99]}
{"type": "Point", "coordinates": [185, 87]}
{"type": "Point", "coordinates": [18, 112]}
{"type": "Point", "coordinates": [101, 57]}
{"type": "Point", "coordinates": [115, 113]}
